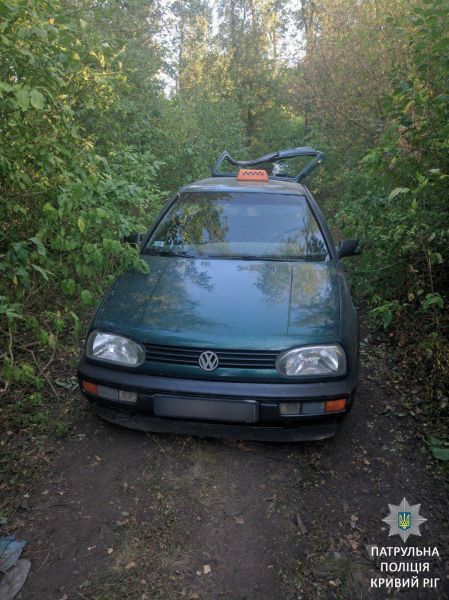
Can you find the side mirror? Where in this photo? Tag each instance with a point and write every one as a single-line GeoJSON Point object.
{"type": "Point", "coordinates": [134, 238]}
{"type": "Point", "coordinates": [348, 248]}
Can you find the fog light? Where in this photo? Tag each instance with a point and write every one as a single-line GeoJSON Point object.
{"type": "Point", "coordinates": [129, 397]}
{"type": "Point", "coordinates": [107, 393]}
{"type": "Point", "coordinates": [335, 405]}
{"type": "Point", "coordinates": [312, 408]}
{"type": "Point", "coordinates": [90, 388]}
{"type": "Point", "coordinates": [289, 409]}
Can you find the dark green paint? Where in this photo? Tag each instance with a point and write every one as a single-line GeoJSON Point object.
{"type": "Point", "coordinates": [219, 303]}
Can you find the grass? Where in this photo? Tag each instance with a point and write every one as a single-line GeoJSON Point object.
{"type": "Point", "coordinates": [35, 414]}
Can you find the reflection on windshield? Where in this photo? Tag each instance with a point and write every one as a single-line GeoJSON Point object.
{"type": "Point", "coordinates": [239, 225]}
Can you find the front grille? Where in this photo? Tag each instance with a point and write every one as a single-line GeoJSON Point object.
{"type": "Point", "coordinates": [231, 359]}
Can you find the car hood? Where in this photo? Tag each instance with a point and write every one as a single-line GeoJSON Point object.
{"type": "Point", "coordinates": [225, 303]}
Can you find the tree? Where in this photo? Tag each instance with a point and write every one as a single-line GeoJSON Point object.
{"type": "Point", "coordinates": [352, 53]}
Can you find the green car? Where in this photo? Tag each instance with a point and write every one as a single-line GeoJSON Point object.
{"type": "Point", "coordinates": [244, 326]}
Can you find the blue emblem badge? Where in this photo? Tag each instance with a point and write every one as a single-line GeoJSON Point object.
{"type": "Point", "coordinates": [404, 520]}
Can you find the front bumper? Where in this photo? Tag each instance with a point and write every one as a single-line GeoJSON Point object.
{"type": "Point", "coordinates": [270, 425]}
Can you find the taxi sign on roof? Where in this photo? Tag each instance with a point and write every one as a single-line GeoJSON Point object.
{"type": "Point", "coordinates": [252, 175]}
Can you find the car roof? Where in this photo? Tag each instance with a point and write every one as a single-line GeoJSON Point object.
{"type": "Point", "coordinates": [230, 184]}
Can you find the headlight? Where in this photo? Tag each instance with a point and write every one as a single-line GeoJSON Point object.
{"type": "Point", "coordinates": [312, 360]}
{"type": "Point", "coordinates": [115, 349]}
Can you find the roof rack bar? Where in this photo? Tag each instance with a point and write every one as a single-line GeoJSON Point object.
{"type": "Point", "coordinates": [274, 156]}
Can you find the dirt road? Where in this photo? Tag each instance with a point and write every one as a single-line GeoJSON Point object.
{"type": "Point", "coordinates": [124, 515]}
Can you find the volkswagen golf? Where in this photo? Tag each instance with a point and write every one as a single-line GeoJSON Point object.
{"type": "Point", "coordinates": [243, 326]}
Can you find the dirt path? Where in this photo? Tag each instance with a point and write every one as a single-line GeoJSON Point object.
{"type": "Point", "coordinates": [124, 515]}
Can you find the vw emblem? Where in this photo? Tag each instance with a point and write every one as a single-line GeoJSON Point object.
{"type": "Point", "coordinates": [208, 361]}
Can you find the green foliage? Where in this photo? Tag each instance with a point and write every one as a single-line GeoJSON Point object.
{"type": "Point", "coordinates": [397, 202]}
{"type": "Point", "coordinates": [197, 129]}
{"type": "Point", "coordinates": [70, 190]}
{"type": "Point", "coordinates": [439, 448]}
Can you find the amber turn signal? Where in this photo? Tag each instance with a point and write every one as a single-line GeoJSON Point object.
{"type": "Point", "coordinates": [335, 405]}
{"type": "Point", "coordinates": [90, 388]}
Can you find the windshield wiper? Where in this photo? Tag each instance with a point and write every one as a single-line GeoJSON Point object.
{"type": "Point", "coordinates": [155, 252]}
{"type": "Point", "coordinates": [262, 257]}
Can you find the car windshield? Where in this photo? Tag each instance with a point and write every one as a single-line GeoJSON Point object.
{"type": "Point", "coordinates": [239, 225]}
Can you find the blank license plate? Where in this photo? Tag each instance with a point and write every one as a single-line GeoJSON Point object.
{"type": "Point", "coordinates": [206, 409]}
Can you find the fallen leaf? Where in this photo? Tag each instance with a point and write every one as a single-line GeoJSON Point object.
{"type": "Point", "coordinates": [239, 520]}
{"type": "Point", "coordinates": [300, 523]}
{"type": "Point", "coordinates": [353, 544]}
{"type": "Point", "coordinates": [244, 447]}
{"type": "Point", "coordinates": [24, 505]}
